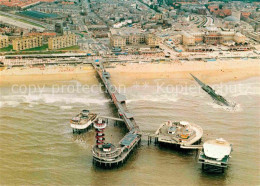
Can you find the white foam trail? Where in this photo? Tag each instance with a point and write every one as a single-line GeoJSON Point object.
{"type": "Point", "coordinates": [65, 107]}
{"type": "Point", "coordinates": [153, 98]}
{"type": "Point", "coordinates": [240, 89]}
{"type": "Point", "coordinates": [32, 104]}
{"type": "Point", "coordinates": [9, 104]}
{"type": "Point", "coordinates": [52, 99]}
{"type": "Point", "coordinates": [245, 92]}
{"type": "Point", "coordinates": [72, 100]}
{"type": "Point", "coordinates": [82, 143]}
{"type": "Point", "coordinates": [12, 103]}
{"type": "Point", "coordinates": [236, 108]}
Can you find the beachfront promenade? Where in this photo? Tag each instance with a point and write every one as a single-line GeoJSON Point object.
{"type": "Point", "coordinates": [77, 58]}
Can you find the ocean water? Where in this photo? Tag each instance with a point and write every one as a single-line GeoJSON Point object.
{"type": "Point", "coordinates": [37, 145]}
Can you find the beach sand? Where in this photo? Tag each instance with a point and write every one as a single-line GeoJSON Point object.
{"type": "Point", "coordinates": [179, 73]}
{"type": "Point", "coordinates": [131, 73]}
{"type": "Point", "coordinates": [48, 74]}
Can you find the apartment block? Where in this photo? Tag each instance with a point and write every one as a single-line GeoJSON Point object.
{"type": "Point", "coordinates": [4, 41]}
{"type": "Point", "coordinates": [118, 41]}
{"type": "Point", "coordinates": [152, 40]}
{"type": "Point", "coordinates": [121, 41]}
{"type": "Point", "coordinates": [27, 42]}
{"type": "Point", "coordinates": [62, 41]}
{"type": "Point", "coordinates": [135, 38]}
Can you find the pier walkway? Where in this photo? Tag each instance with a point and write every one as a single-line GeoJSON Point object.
{"type": "Point", "coordinates": [131, 139]}
{"type": "Point", "coordinates": [110, 118]}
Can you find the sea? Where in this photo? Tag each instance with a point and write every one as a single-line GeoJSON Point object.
{"type": "Point", "coordinates": [37, 146]}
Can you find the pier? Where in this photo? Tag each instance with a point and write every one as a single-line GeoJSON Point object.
{"type": "Point", "coordinates": [109, 155]}
{"type": "Point", "coordinates": [117, 154]}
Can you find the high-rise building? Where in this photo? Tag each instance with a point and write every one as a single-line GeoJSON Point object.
{"type": "Point", "coordinates": [236, 14]}
{"type": "Point", "coordinates": [59, 28]}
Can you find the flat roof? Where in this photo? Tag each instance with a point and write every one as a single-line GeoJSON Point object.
{"type": "Point", "coordinates": [106, 74]}
{"type": "Point", "coordinates": [128, 139]}
{"type": "Point", "coordinates": [120, 97]}
{"type": "Point", "coordinates": [129, 115]}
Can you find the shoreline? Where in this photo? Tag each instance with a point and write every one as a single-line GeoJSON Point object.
{"type": "Point", "coordinates": [179, 73]}
{"type": "Point", "coordinates": [130, 73]}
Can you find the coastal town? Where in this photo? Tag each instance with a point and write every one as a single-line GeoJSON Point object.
{"type": "Point", "coordinates": [138, 45]}
{"type": "Point", "coordinates": [146, 31]}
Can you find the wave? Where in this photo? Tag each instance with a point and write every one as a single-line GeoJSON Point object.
{"type": "Point", "coordinates": [153, 98]}
{"type": "Point", "coordinates": [246, 92]}
{"type": "Point", "coordinates": [9, 103]}
{"type": "Point", "coordinates": [32, 100]}
{"type": "Point", "coordinates": [236, 108]}
{"type": "Point", "coordinates": [65, 107]}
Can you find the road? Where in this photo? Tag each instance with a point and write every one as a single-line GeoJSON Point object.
{"type": "Point", "coordinates": [167, 50]}
{"type": "Point", "coordinates": [19, 24]}
{"type": "Point", "coordinates": [45, 25]}
{"type": "Point", "coordinates": [209, 21]}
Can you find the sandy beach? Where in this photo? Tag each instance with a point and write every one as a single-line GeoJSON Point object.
{"type": "Point", "coordinates": [179, 73]}
{"type": "Point", "coordinates": [130, 73]}
{"type": "Point", "coordinates": [45, 74]}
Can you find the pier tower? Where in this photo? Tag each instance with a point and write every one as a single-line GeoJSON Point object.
{"type": "Point", "coordinates": [100, 126]}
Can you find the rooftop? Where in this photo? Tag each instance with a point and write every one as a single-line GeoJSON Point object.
{"type": "Point", "coordinates": [128, 139]}
{"type": "Point", "coordinates": [231, 19]}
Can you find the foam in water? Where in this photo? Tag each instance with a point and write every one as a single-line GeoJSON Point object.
{"type": "Point", "coordinates": [34, 99]}
{"type": "Point", "coordinates": [9, 104]}
{"type": "Point", "coordinates": [65, 107]}
{"type": "Point", "coordinates": [153, 98]}
{"type": "Point", "coordinates": [236, 108]}
{"type": "Point", "coordinates": [248, 91]}
{"type": "Point", "coordinates": [242, 88]}
{"type": "Point", "coordinates": [32, 104]}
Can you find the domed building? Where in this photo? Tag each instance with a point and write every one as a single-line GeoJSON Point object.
{"type": "Point", "coordinates": [231, 19]}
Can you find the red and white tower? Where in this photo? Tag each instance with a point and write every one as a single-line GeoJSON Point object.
{"type": "Point", "coordinates": [100, 125]}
